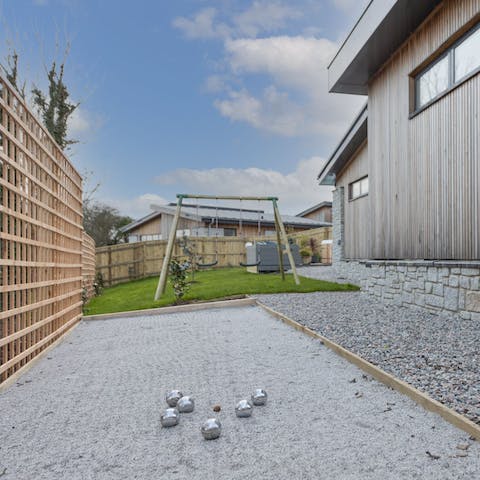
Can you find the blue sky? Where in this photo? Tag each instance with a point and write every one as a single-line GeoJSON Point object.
{"type": "Point", "coordinates": [220, 97]}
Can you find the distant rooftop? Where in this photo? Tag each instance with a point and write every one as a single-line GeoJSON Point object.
{"type": "Point", "coordinates": [226, 215]}
{"type": "Point", "coordinates": [315, 207]}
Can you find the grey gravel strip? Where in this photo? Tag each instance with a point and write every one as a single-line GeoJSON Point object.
{"type": "Point", "coordinates": [91, 409]}
{"type": "Point", "coordinates": [438, 354]}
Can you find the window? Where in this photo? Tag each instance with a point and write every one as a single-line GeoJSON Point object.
{"type": "Point", "coordinates": [358, 189]}
{"type": "Point", "coordinates": [229, 232]}
{"type": "Point", "coordinates": [467, 55]}
{"type": "Point", "coordinates": [460, 61]}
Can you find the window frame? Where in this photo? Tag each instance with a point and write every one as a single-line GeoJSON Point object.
{"type": "Point", "coordinates": [449, 53]}
{"type": "Point", "coordinates": [359, 181]}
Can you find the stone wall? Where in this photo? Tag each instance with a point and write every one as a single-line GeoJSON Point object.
{"type": "Point", "coordinates": [338, 213]}
{"type": "Point", "coordinates": [447, 286]}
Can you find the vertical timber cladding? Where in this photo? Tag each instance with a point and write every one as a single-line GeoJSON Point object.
{"type": "Point", "coordinates": [424, 172]}
{"type": "Point", "coordinates": [356, 212]}
{"type": "Point", "coordinates": [40, 236]}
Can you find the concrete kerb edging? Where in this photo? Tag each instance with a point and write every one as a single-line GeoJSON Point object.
{"type": "Point", "coordinates": [416, 395]}
{"type": "Point", "coordinates": [191, 307]}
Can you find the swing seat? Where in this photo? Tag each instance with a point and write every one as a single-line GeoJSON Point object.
{"type": "Point", "coordinates": [256, 264]}
{"type": "Point", "coordinates": [204, 265]}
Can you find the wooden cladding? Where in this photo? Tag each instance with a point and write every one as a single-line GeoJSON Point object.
{"type": "Point", "coordinates": [40, 236]}
{"type": "Point", "coordinates": [424, 172]}
{"type": "Point", "coordinates": [357, 212]}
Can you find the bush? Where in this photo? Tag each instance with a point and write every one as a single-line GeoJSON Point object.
{"type": "Point", "coordinates": [98, 284]}
{"type": "Point", "coordinates": [178, 278]}
{"type": "Point", "coordinates": [306, 252]}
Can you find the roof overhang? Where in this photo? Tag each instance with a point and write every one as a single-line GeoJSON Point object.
{"type": "Point", "coordinates": [351, 142]}
{"type": "Point", "coordinates": [382, 28]}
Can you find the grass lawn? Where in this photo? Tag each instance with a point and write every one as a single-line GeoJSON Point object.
{"type": "Point", "coordinates": [209, 285]}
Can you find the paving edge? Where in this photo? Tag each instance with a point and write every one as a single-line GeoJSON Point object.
{"type": "Point", "coordinates": [387, 379]}
{"type": "Point", "coordinates": [25, 368]}
{"type": "Point", "coordinates": [191, 307]}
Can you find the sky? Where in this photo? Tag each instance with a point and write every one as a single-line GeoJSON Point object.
{"type": "Point", "coordinates": [225, 97]}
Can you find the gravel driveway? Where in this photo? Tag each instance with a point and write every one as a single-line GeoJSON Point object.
{"type": "Point", "coordinates": [90, 410]}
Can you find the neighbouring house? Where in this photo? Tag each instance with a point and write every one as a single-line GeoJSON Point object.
{"type": "Point", "coordinates": [207, 221]}
{"type": "Point", "coordinates": [406, 207]}
{"type": "Point", "coordinates": [321, 212]}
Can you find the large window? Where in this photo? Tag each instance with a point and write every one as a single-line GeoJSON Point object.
{"type": "Point", "coordinates": [460, 61]}
{"type": "Point", "coordinates": [358, 188]}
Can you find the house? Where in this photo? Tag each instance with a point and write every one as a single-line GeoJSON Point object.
{"type": "Point", "coordinates": [208, 220]}
{"type": "Point", "coordinates": [406, 204]}
{"type": "Point", "coordinates": [321, 212]}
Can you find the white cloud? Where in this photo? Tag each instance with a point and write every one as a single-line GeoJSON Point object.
{"type": "Point", "coordinates": [264, 16]}
{"type": "Point", "coordinates": [296, 190]}
{"type": "Point", "coordinates": [296, 64]}
{"type": "Point", "coordinates": [202, 25]}
{"type": "Point", "coordinates": [295, 100]}
{"type": "Point", "coordinates": [137, 207]}
{"type": "Point", "coordinates": [83, 122]}
{"type": "Point", "coordinates": [273, 112]}
{"type": "Point", "coordinates": [215, 84]}
{"type": "Point", "coordinates": [261, 16]}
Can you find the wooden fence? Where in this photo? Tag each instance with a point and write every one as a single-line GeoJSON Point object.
{"type": "Point", "coordinates": [130, 261]}
{"type": "Point", "coordinates": [88, 265]}
{"type": "Point", "coordinates": [40, 237]}
{"type": "Point", "coordinates": [318, 235]}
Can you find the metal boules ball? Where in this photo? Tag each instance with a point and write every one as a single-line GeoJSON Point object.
{"type": "Point", "coordinates": [169, 417]}
{"type": "Point", "coordinates": [173, 397]}
{"type": "Point", "coordinates": [186, 405]}
{"type": "Point", "coordinates": [211, 429]}
{"type": "Point", "coordinates": [243, 409]}
{"type": "Point", "coordinates": [259, 397]}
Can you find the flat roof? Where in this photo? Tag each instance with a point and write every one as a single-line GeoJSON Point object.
{"type": "Point", "coordinates": [379, 32]}
{"type": "Point", "coordinates": [355, 136]}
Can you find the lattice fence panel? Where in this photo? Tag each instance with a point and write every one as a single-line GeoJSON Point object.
{"type": "Point", "coordinates": [40, 236]}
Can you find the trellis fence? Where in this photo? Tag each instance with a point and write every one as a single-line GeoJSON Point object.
{"type": "Point", "coordinates": [130, 261]}
{"type": "Point", "coordinates": [40, 237]}
{"type": "Point", "coordinates": [88, 265]}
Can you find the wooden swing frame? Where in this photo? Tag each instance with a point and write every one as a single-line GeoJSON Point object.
{"type": "Point", "coordinates": [279, 229]}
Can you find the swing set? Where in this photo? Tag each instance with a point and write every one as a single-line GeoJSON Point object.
{"type": "Point", "coordinates": [279, 229]}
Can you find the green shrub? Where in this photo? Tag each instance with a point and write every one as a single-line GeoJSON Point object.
{"type": "Point", "coordinates": [178, 278]}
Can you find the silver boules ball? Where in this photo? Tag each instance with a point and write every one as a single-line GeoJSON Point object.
{"type": "Point", "coordinates": [173, 397]}
{"type": "Point", "coordinates": [259, 397]}
{"type": "Point", "coordinates": [169, 417]}
{"type": "Point", "coordinates": [243, 408]}
{"type": "Point", "coordinates": [211, 429]}
{"type": "Point", "coordinates": [186, 405]}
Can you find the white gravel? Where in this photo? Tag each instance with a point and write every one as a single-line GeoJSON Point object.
{"type": "Point", "coordinates": [438, 354]}
{"type": "Point", "coordinates": [90, 410]}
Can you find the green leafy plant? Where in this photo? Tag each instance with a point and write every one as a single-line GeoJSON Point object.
{"type": "Point", "coordinates": [178, 278]}
{"type": "Point", "coordinates": [306, 252]}
{"type": "Point", "coordinates": [98, 284]}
